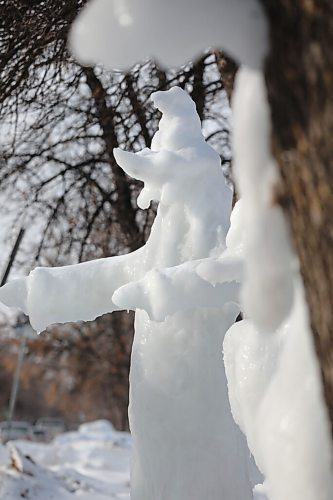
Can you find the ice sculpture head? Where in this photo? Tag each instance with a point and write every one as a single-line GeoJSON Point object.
{"type": "Point", "coordinates": [174, 102]}
{"type": "Point", "coordinates": [178, 152]}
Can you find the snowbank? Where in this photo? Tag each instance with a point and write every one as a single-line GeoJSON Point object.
{"type": "Point", "coordinates": [91, 464]}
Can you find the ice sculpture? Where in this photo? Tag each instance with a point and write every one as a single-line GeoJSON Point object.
{"type": "Point", "coordinates": [186, 444]}
{"type": "Point", "coordinates": [274, 380]}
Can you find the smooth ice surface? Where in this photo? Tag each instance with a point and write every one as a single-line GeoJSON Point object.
{"type": "Point", "coordinates": [275, 395]}
{"type": "Point", "coordinates": [213, 282]}
{"type": "Point", "coordinates": [163, 292]}
{"type": "Point", "coordinates": [268, 286]}
{"type": "Point", "coordinates": [229, 265]}
{"type": "Point", "coordinates": [186, 443]}
{"type": "Point", "coordinates": [120, 33]}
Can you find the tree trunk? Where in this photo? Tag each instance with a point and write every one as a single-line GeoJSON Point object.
{"type": "Point", "coordinates": [125, 211]}
{"type": "Point", "coordinates": [299, 76]}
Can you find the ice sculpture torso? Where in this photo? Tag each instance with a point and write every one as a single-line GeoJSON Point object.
{"type": "Point", "coordinates": [186, 444]}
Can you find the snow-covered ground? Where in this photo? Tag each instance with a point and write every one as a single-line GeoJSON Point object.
{"type": "Point", "coordinates": [89, 464]}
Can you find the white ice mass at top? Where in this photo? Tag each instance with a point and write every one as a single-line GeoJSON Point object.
{"type": "Point", "coordinates": [120, 33]}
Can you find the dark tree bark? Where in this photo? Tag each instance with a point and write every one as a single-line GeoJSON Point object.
{"type": "Point", "coordinates": [299, 76]}
{"type": "Point", "coordinates": [123, 204]}
{"type": "Point", "coordinates": [227, 69]}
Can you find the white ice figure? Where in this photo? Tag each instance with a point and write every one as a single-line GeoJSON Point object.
{"type": "Point", "coordinates": [120, 33]}
{"type": "Point", "coordinates": [267, 293]}
{"type": "Point", "coordinates": [186, 444]}
{"type": "Point", "coordinates": [275, 395]}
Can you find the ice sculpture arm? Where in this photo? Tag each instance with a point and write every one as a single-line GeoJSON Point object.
{"type": "Point", "coordinates": [164, 292]}
{"type": "Point", "coordinates": [79, 292]}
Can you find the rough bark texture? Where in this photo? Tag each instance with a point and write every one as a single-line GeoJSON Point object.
{"type": "Point", "coordinates": [299, 75]}
{"type": "Point", "coordinates": [123, 204]}
{"type": "Point", "coordinates": [228, 69]}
